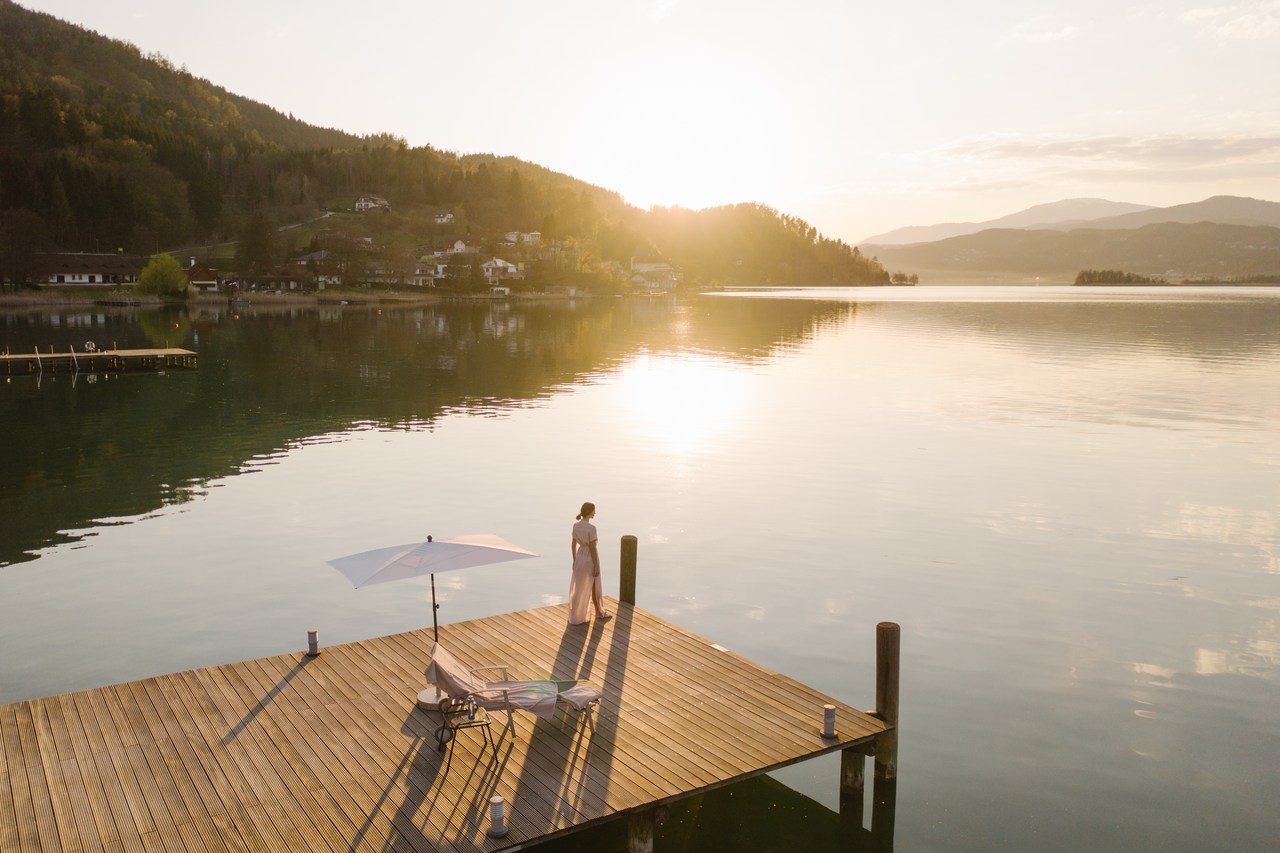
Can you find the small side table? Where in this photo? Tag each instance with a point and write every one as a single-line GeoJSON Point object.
{"type": "Point", "coordinates": [454, 719]}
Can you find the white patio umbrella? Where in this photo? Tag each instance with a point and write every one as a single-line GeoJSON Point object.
{"type": "Point", "coordinates": [426, 558]}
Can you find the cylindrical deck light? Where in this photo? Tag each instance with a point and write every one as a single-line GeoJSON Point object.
{"type": "Point", "coordinates": [497, 817]}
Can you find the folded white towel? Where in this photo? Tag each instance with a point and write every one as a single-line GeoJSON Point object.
{"type": "Point", "coordinates": [580, 696]}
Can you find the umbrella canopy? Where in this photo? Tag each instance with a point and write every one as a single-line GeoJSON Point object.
{"type": "Point", "coordinates": [416, 559]}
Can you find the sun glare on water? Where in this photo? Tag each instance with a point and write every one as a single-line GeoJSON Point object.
{"type": "Point", "coordinates": [683, 403]}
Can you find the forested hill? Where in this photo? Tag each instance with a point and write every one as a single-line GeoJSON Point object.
{"type": "Point", "coordinates": [112, 78]}
{"type": "Point", "coordinates": [102, 146]}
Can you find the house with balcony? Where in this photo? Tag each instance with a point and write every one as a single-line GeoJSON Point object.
{"type": "Point", "coordinates": [201, 278]}
{"type": "Point", "coordinates": [498, 271]}
{"type": "Point", "coordinates": [85, 269]}
{"type": "Point", "coordinates": [653, 276]}
{"type": "Point", "coordinates": [289, 278]}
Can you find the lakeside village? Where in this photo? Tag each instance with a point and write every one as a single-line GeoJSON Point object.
{"type": "Point", "coordinates": [346, 264]}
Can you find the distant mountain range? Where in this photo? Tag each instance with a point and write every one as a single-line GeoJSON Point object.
{"type": "Point", "coordinates": [1220, 237]}
{"type": "Point", "coordinates": [1221, 209]}
{"type": "Point", "coordinates": [1054, 214]}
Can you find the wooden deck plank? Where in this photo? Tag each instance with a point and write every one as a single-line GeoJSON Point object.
{"type": "Point", "coordinates": [71, 808]}
{"type": "Point", "coordinates": [152, 771]}
{"type": "Point", "coordinates": [149, 789]}
{"type": "Point", "coordinates": [8, 815]}
{"type": "Point", "coordinates": [225, 765]}
{"type": "Point", "coordinates": [82, 753]}
{"type": "Point", "coordinates": [330, 752]}
{"type": "Point", "coordinates": [700, 691]}
{"type": "Point", "coordinates": [51, 819]}
{"type": "Point", "coordinates": [88, 835]}
{"type": "Point", "coordinates": [152, 842]}
{"type": "Point", "coordinates": [694, 737]}
{"type": "Point", "coordinates": [597, 667]}
{"type": "Point", "coordinates": [724, 669]}
{"type": "Point", "coordinates": [99, 767]}
{"type": "Point", "coordinates": [99, 718]}
{"type": "Point", "coordinates": [206, 775]}
{"type": "Point", "coordinates": [113, 702]}
{"type": "Point", "coordinates": [402, 761]}
{"type": "Point", "coordinates": [287, 764]}
{"type": "Point", "coordinates": [176, 772]}
{"type": "Point", "coordinates": [23, 808]}
{"type": "Point", "coordinates": [243, 743]}
{"type": "Point", "coordinates": [645, 780]}
{"type": "Point", "coordinates": [347, 762]}
{"type": "Point", "coordinates": [656, 689]}
{"type": "Point", "coordinates": [548, 797]}
{"type": "Point", "coordinates": [315, 770]}
{"type": "Point", "coordinates": [224, 772]}
{"type": "Point", "coordinates": [126, 830]}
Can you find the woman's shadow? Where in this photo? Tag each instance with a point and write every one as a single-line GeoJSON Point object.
{"type": "Point", "coordinates": [434, 787]}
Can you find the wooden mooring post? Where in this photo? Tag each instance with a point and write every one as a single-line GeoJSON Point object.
{"type": "Point", "coordinates": [884, 793]}
{"type": "Point", "coordinates": [640, 831]}
{"type": "Point", "coordinates": [888, 649]}
{"type": "Point", "coordinates": [627, 566]}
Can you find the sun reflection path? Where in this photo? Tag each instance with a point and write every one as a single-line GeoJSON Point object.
{"type": "Point", "coordinates": [683, 402]}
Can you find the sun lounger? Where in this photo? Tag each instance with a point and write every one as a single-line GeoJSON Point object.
{"type": "Point", "coordinates": [458, 682]}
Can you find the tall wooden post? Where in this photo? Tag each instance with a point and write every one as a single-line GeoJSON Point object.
{"type": "Point", "coordinates": [640, 828]}
{"type": "Point", "coordinates": [627, 566]}
{"type": "Point", "coordinates": [888, 645]}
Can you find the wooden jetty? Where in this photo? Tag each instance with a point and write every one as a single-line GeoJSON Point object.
{"type": "Point", "coordinates": [14, 364]}
{"type": "Point", "coordinates": [330, 751]}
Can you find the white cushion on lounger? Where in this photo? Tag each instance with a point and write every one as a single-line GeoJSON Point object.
{"type": "Point", "coordinates": [580, 696]}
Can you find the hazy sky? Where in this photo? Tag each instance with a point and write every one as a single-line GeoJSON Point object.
{"type": "Point", "coordinates": [857, 116]}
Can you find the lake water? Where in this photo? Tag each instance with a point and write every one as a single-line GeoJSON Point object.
{"type": "Point", "coordinates": [1069, 498]}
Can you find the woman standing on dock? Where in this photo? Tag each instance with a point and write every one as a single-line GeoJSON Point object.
{"type": "Point", "coordinates": [584, 587]}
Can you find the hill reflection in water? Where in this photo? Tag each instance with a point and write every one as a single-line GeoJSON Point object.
{"type": "Point", "coordinates": [83, 453]}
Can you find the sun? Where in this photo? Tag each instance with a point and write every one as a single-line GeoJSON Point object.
{"type": "Point", "coordinates": [682, 402]}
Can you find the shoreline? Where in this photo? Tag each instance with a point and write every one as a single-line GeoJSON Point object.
{"type": "Point", "coordinates": [1177, 284]}
{"type": "Point", "coordinates": [127, 299]}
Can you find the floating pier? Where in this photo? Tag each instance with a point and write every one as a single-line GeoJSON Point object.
{"type": "Point", "coordinates": [329, 751]}
{"type": "Point", "coordinates": [91, 360]}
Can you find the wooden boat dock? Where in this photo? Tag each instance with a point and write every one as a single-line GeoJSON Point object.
{"type": "Point", "coordinates": [160, 358]}
{"type": "Point", "coordinates": [331, 751]}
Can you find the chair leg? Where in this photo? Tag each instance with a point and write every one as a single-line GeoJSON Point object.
{"type": "Point", "coordinates": [584, 718]}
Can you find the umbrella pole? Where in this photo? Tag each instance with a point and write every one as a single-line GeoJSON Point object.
{"type": "Point", "coordinates": [435, 625]}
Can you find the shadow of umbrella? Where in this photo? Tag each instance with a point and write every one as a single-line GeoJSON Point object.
{"type": "Point", "coordinates": [416, 559]}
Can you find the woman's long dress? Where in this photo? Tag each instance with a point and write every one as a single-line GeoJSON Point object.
{"type": "Point", "coordinates": [584, 584]}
